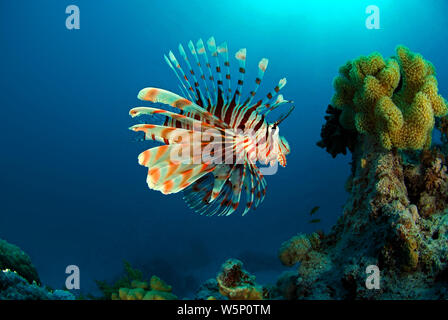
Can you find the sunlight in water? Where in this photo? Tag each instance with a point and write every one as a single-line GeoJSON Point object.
{"type": "Point", "coordinates": [321, 12]}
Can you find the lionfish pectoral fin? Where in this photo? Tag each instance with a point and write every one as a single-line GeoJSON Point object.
{"type": "Point", "coordinates": [167, 175]}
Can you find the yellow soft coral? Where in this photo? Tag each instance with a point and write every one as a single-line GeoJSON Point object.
{"type": "Point", "coordinates": [393, 100]}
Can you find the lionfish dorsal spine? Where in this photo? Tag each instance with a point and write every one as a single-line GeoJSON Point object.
{"type": "Point", "coordinates": [200, 95]}
{"type": "Point", "coordinates": [265, 105]}
{"type": "Point", "coordinates": [176, 64]}
{"type": "Point", "coordinates": [224, 54]}
{"type": "Point", "coordinates": [241, 57]}
{"type": "Point", "coordinates": [183, 88]}
{"type": "Point", "coordinates": [201, 72]}
{"type": "Point", "coordinates": [202, 52]}
{"type": "Point", "coordinates": [211, 44]}
{"type": "Point", "coordinates": [262, 66]}
{"type": "Point", "coordinates": [247, 108]}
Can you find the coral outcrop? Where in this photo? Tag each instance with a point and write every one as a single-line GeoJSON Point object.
{"type": "Point", "coordinates": [236, 283]}
{"type": "Point", "coordinates": [13, 258]}
{"type": "Point", "coordinates": [15, 287]}
{"type": "Point", "coordinates": [393, 100]}
{"type": "Point", "coordinates": [19, 279]}
{"type": "Point", "coordinates": [386, 223]}
{"type": "Point", "coordinates": [232, 283]}
{"type": "Point", "coordinates": [396, 216]}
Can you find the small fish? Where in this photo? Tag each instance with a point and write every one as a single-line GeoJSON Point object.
{"type": "Point", "coordinates": [229, 123]}
{"type": "Point", "coordinates": [314, 221]}
{"type": "Point", "coordinates": [314, 210]}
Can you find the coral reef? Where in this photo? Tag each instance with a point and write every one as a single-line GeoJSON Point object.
{"type": "Point", "coordinates": [132, 286]}
{"type": "Point", "coordinates": [236, 283]}
{"type": "Point", "coordinates": [13, 258]}
{"type": "Point", "coordinates": [396, 215]}
{"type": "Point", "coordinates": [233, 283]}
{"type": "Point", "coordinates": [393, 100]}
{"type": "Point", "coordinates": [19, 279]}
{"type": "Point", "coordinates": [15, 287]}
{"type": "Point", "coordinates": [384, 223]}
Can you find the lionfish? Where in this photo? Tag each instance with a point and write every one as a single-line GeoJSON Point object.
{"type": "Point", "coordinates": [214, 184]}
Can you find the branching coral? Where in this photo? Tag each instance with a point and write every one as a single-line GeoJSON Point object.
{"type": "Point", "coordinates": [394, 100]}
{"type": "Point", "coordinates": [236, 283]}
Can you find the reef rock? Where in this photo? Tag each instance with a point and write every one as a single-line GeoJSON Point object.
{"type": "Point", "coordinates": [232, 283]}
{"type": "Point", "coordinates": [19, 279]}
{"type": "Point", "coordinates": [15, 287]}
{"type": "Point", "coordinates": [382, 224]}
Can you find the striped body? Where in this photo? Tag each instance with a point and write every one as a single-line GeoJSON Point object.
{"type": "Point", "coordinates": [213, 139]}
